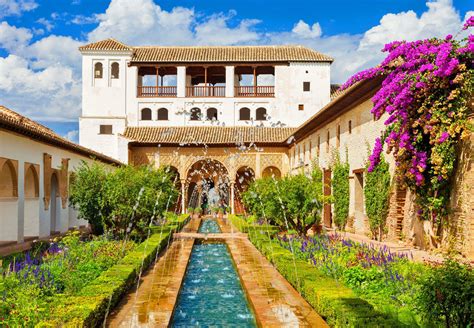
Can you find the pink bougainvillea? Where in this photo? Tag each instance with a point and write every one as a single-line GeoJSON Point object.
{"type": "Point", "coordinates": [424, 97]}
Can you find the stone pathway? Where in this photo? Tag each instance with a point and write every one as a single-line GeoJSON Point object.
{"type": "Point", "coordinates": [274, 301]}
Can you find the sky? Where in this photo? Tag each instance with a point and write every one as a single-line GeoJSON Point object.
{"type": "Point", "coordinates": [40, 65]}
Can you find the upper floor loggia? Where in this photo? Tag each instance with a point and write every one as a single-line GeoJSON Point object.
{"type": "Point", "coordinates": [195, 72]}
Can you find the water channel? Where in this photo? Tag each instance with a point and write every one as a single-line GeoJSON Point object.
{"type": "Point", "coordinates": [211, 293]}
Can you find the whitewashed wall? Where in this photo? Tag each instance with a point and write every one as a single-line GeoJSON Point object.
{"type": "Point", "coordinates": [22, 217]}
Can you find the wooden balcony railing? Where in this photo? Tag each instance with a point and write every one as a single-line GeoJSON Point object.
{"type": "Point", "coordinates": [154, 91]}
{"type": "Point", "coordinates": [205, 91]}
{"type": "Point", "coordinates": [258, 91]}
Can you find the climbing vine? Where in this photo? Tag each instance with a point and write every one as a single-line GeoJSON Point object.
{"type": "Point", "coordinates": [376, 194]}
{"type": "Point", "coordinates": [426, 94]}
{"type": "Point", "coordinates": [340, 190]}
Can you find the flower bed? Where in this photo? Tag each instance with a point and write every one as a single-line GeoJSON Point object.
{"type": "Point", "coordinates": [336, 303]}
{"type": "Point", "coordinates": [354, 284]}
{"type": "Point", "coordinates": [76, 282]}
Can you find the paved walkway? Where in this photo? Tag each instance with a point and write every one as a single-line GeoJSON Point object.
{"type": "Point", "coordinates": [274, 301]}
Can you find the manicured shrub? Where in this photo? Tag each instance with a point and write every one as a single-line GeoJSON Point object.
{"type": "Point", "coordinates": [377, 193]}
{"type": "Point", "coordinates": [86, 194]}
{"type": "Point", "coordinates": [340, 191]}
{"type": "Point", "coordinates": [124, 201]}
{"type": "Point", "coordinates": [293, 202]}
{"type": "Point", "coordinates": [447, 295]}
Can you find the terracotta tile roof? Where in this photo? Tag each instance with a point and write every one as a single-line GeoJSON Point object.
{"type": "Point", "coordinates": [12, 121]}
{"type": "Point", "coordinates": [108, 44]}
{"type": "Point", "coordinates": [335, 92]}
{"type": "Point", "coordinates": [213, 53]}
{"type": "Point", "coordinates": [228, 54]}
{"type": "Point", "coordinates": [208, 135]}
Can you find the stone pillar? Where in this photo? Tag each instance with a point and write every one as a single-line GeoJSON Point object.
{"type": "Point", "coordinates": [183, 196]}
{"type": "Point", "coordinates": [229, 81]}
{"type": "Point", "coordinates": [21, 203]}
{"type": "Point", "coordinates": [232, 197]}
{"type": "Point", "coordinates": [181, 81]}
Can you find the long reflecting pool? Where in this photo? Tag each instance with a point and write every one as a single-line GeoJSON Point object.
{"type": "Point", "coordinates": [211, 293]}
{"type": "Point", "coordinates": [209, 226]}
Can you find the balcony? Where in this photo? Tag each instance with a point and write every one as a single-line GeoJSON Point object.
{"type": "Point", "coordinates": [205, 91]}
{"type": "Point", "coordinates": [157, 91]}
{"type": "Point", "coordinates": [255, 91]}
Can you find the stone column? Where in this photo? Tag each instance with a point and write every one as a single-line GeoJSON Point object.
{"type": "Point", "coordinates": [21, 202]}
{"type": "Point", "coordinates": [183, 196]}
{"type": "Point", "coordinates": [229, 81]}
{"type": "Point", "coordinates": [181, 81]}
{"type": "Point", "coordinates": [232, 197]}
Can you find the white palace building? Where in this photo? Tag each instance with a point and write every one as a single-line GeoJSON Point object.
{"type": "Point", "coordinates": [125, 86]}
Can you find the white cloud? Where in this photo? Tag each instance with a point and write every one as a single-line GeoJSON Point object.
{"type": "Point", "coordinates": [83, 20]}
{"type": "Point", "coordinates": [49, 94]}
{"type": "Point", "coordinates": [216, 31]}
{"type": "Point", "coordinates": [16, 7]}
{"type": "Point", "coordinates": [72, 135]}
{"type": "Point", "coordinates": [13, 38]}
{"type": "Point", "coordinates": [141, 22]}
{"type": "Point", "coordinates": [46, 23]}
{"type": "Point", "coordinates": [55, 50]}
{"type": "Point", "coordinates": [303, 30]}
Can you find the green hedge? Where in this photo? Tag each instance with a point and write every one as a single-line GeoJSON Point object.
{"type": "Point", "coordinates": [336, 303]}
{"type": "Point", "coordinates": [90, 306]}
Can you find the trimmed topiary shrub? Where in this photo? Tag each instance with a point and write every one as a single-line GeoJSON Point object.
{"type": "Point", "coordinates": [377, 193]}
{"type": "Point", "coordinates": [340, 191]}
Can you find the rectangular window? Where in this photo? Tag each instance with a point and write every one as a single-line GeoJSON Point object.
{"type": "Point", "coordinates": [105, 129]}
{"type": "Point", "coordinates": [338, 140]}
{"type": "Point", "coordinates": [306, 86]}
{"type": "Point", "coordinates": [350, 127]}
{"type": "Point", "coordinates": [301, 107]}
{"type": "Point", "coordinates": [319, 146]}
{"type": "Point", "coordinates": [327, 143]}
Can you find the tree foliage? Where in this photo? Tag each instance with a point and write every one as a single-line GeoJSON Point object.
{"type": "Point", "coordinates": [293, 202]}
{"type": "Point", "coordinates": [340, 191]}
{"type": "Point", "coordinates": [122, 201]}
{"type": "Point", "coordinates": [376, 194]}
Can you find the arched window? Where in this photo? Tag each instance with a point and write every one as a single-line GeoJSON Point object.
{"type": "Point", "coordinates": [146, 114]}
{"type": "Point", "coordinates": [212, 114]}
{"type": "Point", "coordinates": [162, 114]}
{"type": "Point", "coordinates": [195, 114]}
{"type": "Point", "coordinates": [261, 114]}
{"type": "Point", "coordinates": [98, 69]}
{"type": "Point", "coordinates": [114, 71]}
{"type": "Point", "coordinates": [8, 180]}
{"type": "Point", "coordinates": [31, 182]}
{"type": "Point", "coordinates": [244, 114]}
{"type": "Point", "coordinates": [271, 172]}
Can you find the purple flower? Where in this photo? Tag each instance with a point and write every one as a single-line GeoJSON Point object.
{"type": "Point", "coordinates": [444, 137]}
{"type": "Point", "coordinates": [469, 23]}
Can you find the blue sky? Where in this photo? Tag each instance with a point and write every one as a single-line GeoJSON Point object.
{"type": "Point", "coordinates": [40, 64]}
